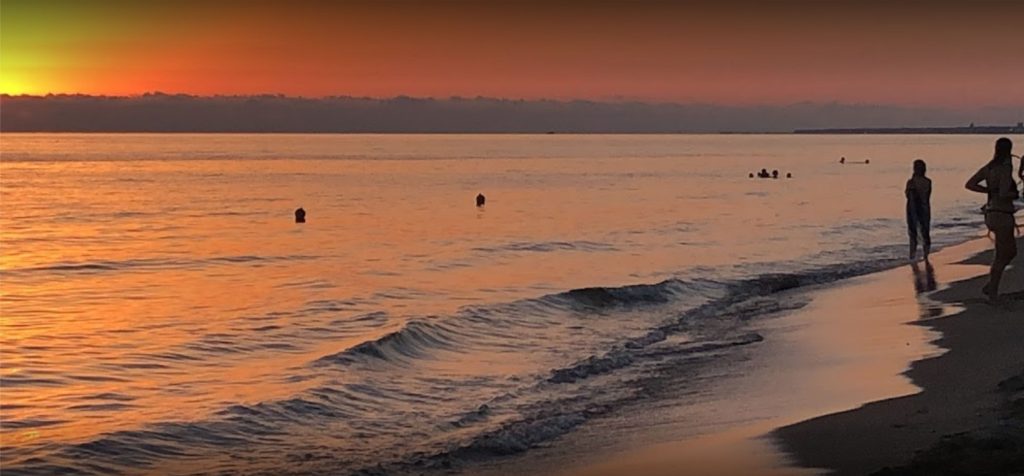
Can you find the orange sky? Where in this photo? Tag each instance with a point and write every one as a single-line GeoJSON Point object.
{"type": "Point", "coordinates": [939, 53]}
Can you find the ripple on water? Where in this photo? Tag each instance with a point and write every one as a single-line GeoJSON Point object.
{"type": "Point", "coordinates": [101, 407]}
{"type": "Point", "coordinates": [29, 423]}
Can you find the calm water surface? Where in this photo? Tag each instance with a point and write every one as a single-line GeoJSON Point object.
{"type": "Point", "coordinates": [162, 313]}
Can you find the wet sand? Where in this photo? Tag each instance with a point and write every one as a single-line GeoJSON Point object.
{"type": "Point", "coordinates": [969, 418]}
{"type": "Point", "coordinates": [850, 345]}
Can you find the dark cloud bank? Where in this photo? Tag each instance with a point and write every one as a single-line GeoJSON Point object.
{"type": "Point", "coordinates": [184, 113]}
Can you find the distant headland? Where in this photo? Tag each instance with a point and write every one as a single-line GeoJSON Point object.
{"type": "Point", "coordinates": [970, 129]}
{"type": "Point", "coordinates": [161, 112]}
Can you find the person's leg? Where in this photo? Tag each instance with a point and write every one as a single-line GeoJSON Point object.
{"type": "Point", "coordinates": [993, 276]}
{"type": "Point", "coordinates": [912, 232]}
{"type": "Point", "coordinates": [1006, 251]}
{"type": "Point", "coordinates": [926, 235]}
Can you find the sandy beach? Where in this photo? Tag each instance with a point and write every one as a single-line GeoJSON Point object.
{"type": "Point", "coordinates": [848, 346]}
{"type": "Point", "coordinates": [967, 420]}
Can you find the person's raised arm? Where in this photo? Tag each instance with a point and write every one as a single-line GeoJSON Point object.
{"type": "Point", "coordinates": [974, 183]}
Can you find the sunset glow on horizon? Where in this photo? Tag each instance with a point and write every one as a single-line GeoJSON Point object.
{"type": "Point", "coordinates": [511, 237]}
{"type": "Point", "coordinates": [932, 54]}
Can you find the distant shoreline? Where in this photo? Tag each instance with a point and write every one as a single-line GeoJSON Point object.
{"type": "Point", "coordinates": [972, 129]}
{"type": "Point", "coordinates": [159, 112]}
{"type": "Point", "coordinates": [909, 131]}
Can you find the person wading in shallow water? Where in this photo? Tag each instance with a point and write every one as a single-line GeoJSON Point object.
{"type": "Point", "coordinates": [999, 209]}
{"type": "Point", "coordinates": [919, 209]}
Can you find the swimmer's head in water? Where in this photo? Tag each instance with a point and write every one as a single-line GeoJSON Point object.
{"type": "Point", "coordinates": [920, 168]}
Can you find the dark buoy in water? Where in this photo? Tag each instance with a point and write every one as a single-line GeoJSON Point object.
{"type": "Point", "coordinates": [775, 174]}
{"type": "Point", "coordinates": [480, 199]}
{"type": "Point", "coordinates": [751, 175]}
{"type": "Point", "coordinates": [842, 160]}
{"type": "Point", "coordinates": [300, 215]}
{"type": "Point", "coordinates": [789, 175]}
{"type": "Point", "coordinates": [867, 161]}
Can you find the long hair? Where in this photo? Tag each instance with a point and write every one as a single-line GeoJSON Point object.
{"type": "Point", "coordinates": [1003, 153]}
{"type": "Point", "coordinates": [920, 168]}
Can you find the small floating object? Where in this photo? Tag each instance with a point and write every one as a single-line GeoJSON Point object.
{"type": "Point", "coordinates": [789, 175]}
{"type": "Point", "coordinates": [300, 215]}
{"type": "Point", "coordinates": [751, 175]}
{"type": "Point", "coordinates": [842, 160]}
{"type": "Point", "coordinates": [480, 200]}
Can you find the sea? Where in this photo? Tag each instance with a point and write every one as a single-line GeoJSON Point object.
{"type": "Point", "coordinates": [162, 313]}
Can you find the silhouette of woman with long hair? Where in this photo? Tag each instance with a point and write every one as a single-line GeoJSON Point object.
{"type": "Point", "coordinates": [919, 209]}
{"type": "Point", "coordinates": [999, 209]}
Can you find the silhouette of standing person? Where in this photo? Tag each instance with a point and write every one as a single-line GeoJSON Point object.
{"type": "Point", "coordinates": [999, 209]}
{"type": "Point", "coordinates": [919, 209]}
{"type": "Point", "coordinates": [1020, 173]}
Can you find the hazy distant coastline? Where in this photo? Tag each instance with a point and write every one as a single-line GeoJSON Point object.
{"type": "Point", "coordinates": [971, 129]}
{"type": "Point", "coordinates": [159, 112]}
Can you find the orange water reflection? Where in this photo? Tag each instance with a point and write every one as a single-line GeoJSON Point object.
{"type": "Point", "coordinates": [141, 287]}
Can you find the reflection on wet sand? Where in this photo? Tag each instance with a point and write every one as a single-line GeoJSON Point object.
{"type": "Point", "coordinates": [924, 280]}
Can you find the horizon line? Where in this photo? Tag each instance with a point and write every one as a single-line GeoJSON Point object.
{"type": "Point", "coordinates": [498, 98]}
